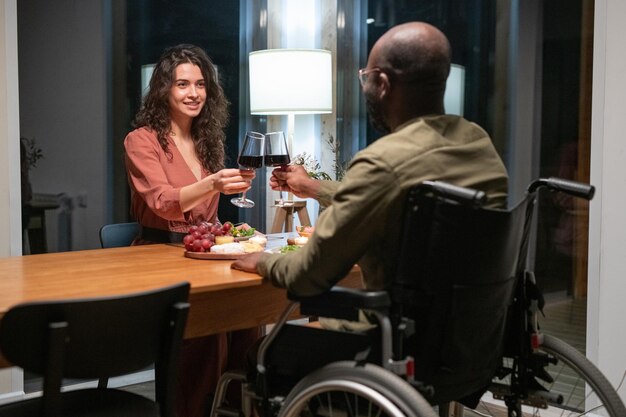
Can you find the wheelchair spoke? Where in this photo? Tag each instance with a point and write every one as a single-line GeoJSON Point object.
{"type": "Point", "coordinates": [330, 404]}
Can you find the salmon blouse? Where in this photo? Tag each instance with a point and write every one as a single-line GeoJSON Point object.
{"type": "Point", "coordinates": [155, 180]}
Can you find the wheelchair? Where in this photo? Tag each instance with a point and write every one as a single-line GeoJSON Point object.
{"type": "Point", "coordinates": [458, 324]}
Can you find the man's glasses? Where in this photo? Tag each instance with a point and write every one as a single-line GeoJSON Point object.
{"type": "Point", "coordinates": [364, 74]}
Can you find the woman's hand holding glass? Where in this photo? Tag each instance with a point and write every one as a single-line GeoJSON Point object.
{"type": "Point", "coordinates": [233, 180]}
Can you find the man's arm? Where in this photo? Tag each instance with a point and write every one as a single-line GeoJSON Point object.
{"type": "Point", "coordinates": [343, 233]}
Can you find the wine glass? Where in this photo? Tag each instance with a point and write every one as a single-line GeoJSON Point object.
{"type": "Point", "coordinates": [277, 154]}
{"type": "Point", "coordinates": [250, 157]}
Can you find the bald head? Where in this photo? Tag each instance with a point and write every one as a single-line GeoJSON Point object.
{"type": "Point", "coordinates": [414, 53]}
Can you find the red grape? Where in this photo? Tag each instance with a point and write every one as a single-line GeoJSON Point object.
{"type": "Point", "coordinates": [197, 246]}
{"type": "Point", "coordinates": [188, 239]}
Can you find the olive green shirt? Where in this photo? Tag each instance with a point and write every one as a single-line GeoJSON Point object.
{"type": "Point", "coordinates": [362, 223]}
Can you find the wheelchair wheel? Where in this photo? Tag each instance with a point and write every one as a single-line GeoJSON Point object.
{"type": "Point", "coordinates": [578, 388]}
{"type": "Point", "coordinates": [348, 389]}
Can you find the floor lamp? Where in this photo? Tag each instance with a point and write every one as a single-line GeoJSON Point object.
{"type": "Point", "coordinates": [290, 82]}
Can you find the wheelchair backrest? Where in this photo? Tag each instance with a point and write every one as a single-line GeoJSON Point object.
{"type": "Point", "coordinates": [455, 280]}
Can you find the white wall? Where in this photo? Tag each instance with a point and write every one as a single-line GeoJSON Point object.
{"type": "Point", "coordinates": [11, 381]}
{"type": "Point", "coordinates": [606, 333]}
{"type": "Point", "coordinates": [10, 196]}
{"type": "Point", "coordinates": [63, 106]}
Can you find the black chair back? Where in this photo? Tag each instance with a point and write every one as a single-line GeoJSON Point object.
{"type": "Point", "coordinates": [98, 338]}
{"type": "Point", "coordinates": [455, 280]}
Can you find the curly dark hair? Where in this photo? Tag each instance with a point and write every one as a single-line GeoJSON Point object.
{"type": "Point", "coordinates": [207, 129]}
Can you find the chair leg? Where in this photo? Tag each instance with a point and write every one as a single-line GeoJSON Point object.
{"type": "Point", "coordinates": [57, 336]}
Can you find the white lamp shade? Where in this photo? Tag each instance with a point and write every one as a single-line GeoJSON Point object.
{"type": "Point", "coordinates": [297, 81]}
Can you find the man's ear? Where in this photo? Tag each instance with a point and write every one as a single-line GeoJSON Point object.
{"type": "Point", "coordinates": [384, 85]}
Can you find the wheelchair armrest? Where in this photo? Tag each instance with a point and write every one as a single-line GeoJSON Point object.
{"type": "Point", "coordinates": [342, 303]}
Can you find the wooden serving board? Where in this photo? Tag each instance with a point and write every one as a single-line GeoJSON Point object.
{"type": "Point", "coordinates": [213, 256]}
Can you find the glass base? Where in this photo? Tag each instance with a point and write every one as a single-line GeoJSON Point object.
{"type": "Point", "coordinates": [242, 202]}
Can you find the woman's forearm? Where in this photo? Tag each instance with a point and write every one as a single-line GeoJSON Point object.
{"type": "Point", "coordinates": [193, 194]}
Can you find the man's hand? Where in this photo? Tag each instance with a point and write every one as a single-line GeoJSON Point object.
{"type": "Point", "coordinates": [248, 262]}
{"type": "Point", "coordinates": [294, 179]}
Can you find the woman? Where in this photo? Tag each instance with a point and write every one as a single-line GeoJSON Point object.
{"type": "Point", "coordinates": [175, 157]}
{"type": "Point", "coordinates": [175, 165]}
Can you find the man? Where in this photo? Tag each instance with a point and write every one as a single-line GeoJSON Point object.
{"type": "Point", "coordinates": [404, 84]}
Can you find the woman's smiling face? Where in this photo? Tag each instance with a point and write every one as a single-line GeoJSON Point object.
{"type": "Point", "coordinates": [188, 92]}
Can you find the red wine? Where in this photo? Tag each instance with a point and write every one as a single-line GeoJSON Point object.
{"type": "Point", "coordinates": [276, 160]}
{"type": "Point", "coordinates": [250, 161]}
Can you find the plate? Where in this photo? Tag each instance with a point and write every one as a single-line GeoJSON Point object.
{"type": "Point", "coordinates": [292, 241]}
{"type": "Point", "coordinates": [213, 256]}
{"type": "Point", "coordinates": [244, 238]}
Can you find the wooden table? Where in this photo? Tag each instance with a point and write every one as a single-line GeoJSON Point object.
{"type": "Point", "coordinates": [221, 298]}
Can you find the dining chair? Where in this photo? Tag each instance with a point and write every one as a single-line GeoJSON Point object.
{"type": "Point", "coordinates": [118, 234]}
{"type": "Point", "coordinates": [96, 339]}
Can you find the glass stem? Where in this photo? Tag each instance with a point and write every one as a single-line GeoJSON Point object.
{"type": "Point", "coordinates": [281, 199]}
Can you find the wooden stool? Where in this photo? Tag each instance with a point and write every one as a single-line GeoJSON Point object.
{"type": "Point", "coordinates": [283, 219]}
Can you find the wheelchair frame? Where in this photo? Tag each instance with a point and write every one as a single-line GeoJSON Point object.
{"type": "Point", "coordinates": [526, 354]}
